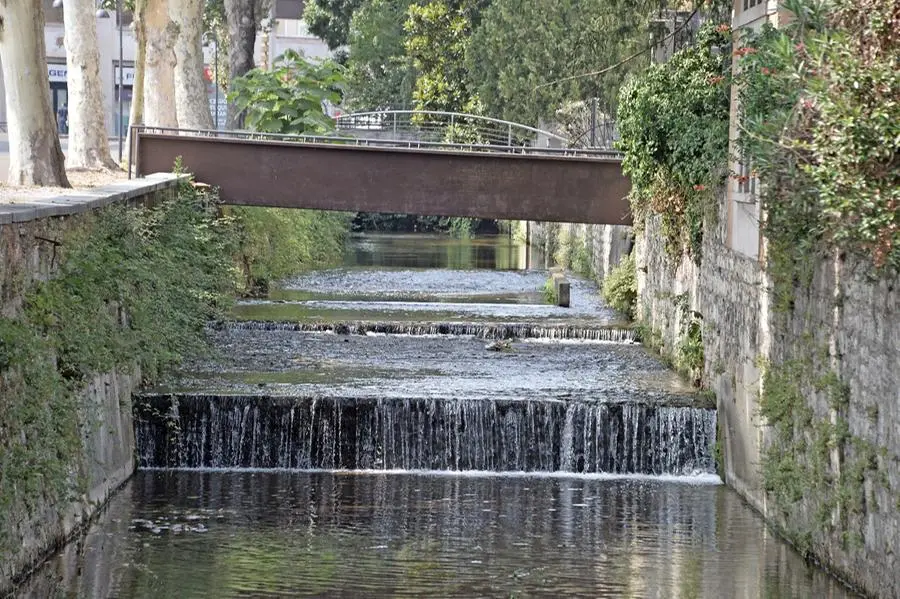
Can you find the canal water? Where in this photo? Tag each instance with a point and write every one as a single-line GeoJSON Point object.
{"type": "Point", "coordinates": [355, 435]}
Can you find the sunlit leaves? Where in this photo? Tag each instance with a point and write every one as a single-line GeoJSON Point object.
{"type": "Point", "coordinates": [289, 98]}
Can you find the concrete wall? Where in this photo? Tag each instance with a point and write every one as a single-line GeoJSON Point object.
{"type": "Point", "coordinates": [29, 232]}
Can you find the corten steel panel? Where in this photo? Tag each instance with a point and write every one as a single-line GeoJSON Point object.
{"type": "Point", "coordinates": [410, 181]}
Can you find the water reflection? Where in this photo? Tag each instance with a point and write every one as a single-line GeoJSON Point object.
{"type": "Point", "coordinates": [407, 535]}
{"type": "Point", "coordinates": [493, 252]}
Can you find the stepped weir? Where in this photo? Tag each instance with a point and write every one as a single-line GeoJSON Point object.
{"type": "Point", "coordinates": [203, 431]}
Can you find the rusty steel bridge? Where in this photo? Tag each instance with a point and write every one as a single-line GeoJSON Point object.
{"type": "Point", "coordinates": [418, 163]}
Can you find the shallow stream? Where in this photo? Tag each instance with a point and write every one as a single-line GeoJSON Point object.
{"type": "Point", "coordinates": [353, 436]}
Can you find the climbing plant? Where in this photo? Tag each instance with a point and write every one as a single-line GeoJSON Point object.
{"type": "Point", "coordinates": [820, 126]}
{"type": "Point", "coordinates": [673, 123]}
{"type": "Point", "coordinates": [134, 288]}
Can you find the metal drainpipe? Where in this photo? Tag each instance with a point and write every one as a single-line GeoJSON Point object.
{"type": "Point", "coordinates": [121, 74]}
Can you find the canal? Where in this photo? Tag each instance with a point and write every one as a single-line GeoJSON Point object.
{"type": "Point", "coordinates": [355, 435]}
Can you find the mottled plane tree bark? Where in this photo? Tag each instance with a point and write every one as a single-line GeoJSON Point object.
{"type": "Point", "coordinates": [88, 142]}
{"type": "Point", "coordinates": [35, 155]}
{"type": "Point", "coordinates": [191, 102]}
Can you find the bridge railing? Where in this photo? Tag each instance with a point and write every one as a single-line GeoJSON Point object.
{"type": "Point", "coordinates": [438, 126]}
{"type": "Point", "coordinates": [410, 144]}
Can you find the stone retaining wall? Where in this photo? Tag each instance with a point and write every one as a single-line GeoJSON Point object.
{"type": "Point", "coordinates": [30, 233]}
{"type": "Point", "coordinates": [844, 327]}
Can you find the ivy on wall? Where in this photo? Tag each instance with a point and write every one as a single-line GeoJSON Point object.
{"type": "Point", "coordinates": [673, 123]}
{"type": "Point", "coordinates": [134, 288]}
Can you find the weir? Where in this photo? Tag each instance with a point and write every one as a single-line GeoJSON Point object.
{"type": "Point", "coordinates": [469, 329]}
{"type": "Point", "coordinates": [207, 431]}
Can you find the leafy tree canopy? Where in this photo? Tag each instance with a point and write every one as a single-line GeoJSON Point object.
{"type": "Point", "coordinates": [379, 74]}
{"type": "Point", "coordinates": [330, 19]}
{"type": "Point", "coordinates": [522, 46]}
{"type": "Point", "coordinates": [438, 34]}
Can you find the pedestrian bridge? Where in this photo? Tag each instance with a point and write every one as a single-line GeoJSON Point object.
{"type": "Point", "coordinates": [372, 164]}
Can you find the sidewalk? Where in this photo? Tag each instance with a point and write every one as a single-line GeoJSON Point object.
{"type": "Point", "coordinates": [64, 141]}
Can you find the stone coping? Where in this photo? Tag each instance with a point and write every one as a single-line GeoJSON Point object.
{"type": "Point", "coordinates": [81, 200]}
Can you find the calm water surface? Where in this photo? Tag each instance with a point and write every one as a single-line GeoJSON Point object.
{"type": "Point", "coordinates": [264, 533]}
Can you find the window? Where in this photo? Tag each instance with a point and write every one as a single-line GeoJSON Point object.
{"type": "Point", "coordinates": [748, 4]}
{"type": "Point", "coordinates": [291, 28]}
{"type": "Point", "coordinates": [746, 183]}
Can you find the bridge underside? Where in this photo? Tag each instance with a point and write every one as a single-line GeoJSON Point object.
{"type": "Point", "coordinates": [397, 180]}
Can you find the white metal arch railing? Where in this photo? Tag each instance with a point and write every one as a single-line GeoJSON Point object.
{"type": "Point", "coordinates": [438, 126]}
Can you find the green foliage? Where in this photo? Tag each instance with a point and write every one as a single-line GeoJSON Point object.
{"type": "Point", "coordinates": [135, 287]}
{"type": "Point", "coordinates": [820, 124]}
{"type": "Point", "coordinates": [289, 98]}
{"type": "Point", "coordinates": [521, 45]}
{"type": "Point", "coordinates": [273, 243]}
{"type": "Point", "coordinates": [814, 469]}
{"type": "Point", "coordinates": [673, 123]}
{"type": "Point", "coordinates": [379, 75]}
{"type": "Point", "coordinates": [689, 353]}
{"type": "Point", "coordinates": [459, 227]}
{"type": "Point", "coordinates": [620, 287]}
{"type": "Point", "coordinates": [548, 291]}
{"type": "Point", "coordinates": [330, 20]}
{"type": "Point", "coordinates": [438, 33]}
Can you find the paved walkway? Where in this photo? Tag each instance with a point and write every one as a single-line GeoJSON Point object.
{"type": "Point", "coordinates": [4, 151]}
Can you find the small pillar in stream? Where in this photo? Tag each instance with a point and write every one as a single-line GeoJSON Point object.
{"type": "Point", "coordinates": [561, 286]}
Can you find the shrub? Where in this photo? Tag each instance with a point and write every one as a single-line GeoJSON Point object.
{"type": "Point", "coordinates": [620, 287]}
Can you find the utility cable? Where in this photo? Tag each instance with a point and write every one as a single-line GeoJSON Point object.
{"type": "Point", "coordinates": [621, 62]}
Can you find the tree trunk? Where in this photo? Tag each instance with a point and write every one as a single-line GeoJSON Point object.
{"type": "Point", "coordinates": [242, 22]}
{"type": "Point", "coordinates": [35, 156]}
{"type": "Point", "coordinates": [88, 142]}
{"type": "Point", "coordinates": [140, 59]}
{"type": "Point", "coordinates": [159, 77]}
{"type": "Point", "coordinates": [191, 101]}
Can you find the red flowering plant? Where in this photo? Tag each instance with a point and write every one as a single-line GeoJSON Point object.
{"type": "Point", "coordinates": [819, 122]}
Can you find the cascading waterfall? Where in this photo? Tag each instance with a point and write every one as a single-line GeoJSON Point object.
{"type": "Point", "coordinates": [478, 330]}
{"type": "Point", "coordinates": [204, 431]}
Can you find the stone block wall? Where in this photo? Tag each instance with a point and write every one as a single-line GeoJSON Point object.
{"type": "Point", "coordinates": [842, 333]}
{"type": "Point", "coordinates": [31, 232]}
{"type": "Point", "coordinates": [600, 247]}
{"type": "Point", "coordinates": [668, 290]}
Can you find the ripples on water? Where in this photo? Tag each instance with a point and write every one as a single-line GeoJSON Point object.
{"type": "Point", "coordinates": [323, 534]}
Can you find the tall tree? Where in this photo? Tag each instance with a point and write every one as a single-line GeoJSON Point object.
{"type": "Point", "coordinates": [35, 155]}
{"type": "Point", "coordinates": [438, 33]}
{"type": "Point", "coordinates": [88, 143]}
{"type": "Point", "coordinates": [136, 116]}
{"type": "Point", "coordinates": [160, 32]}
{"type": "Point", "coordinates": [330, 19]}
{"type": "Point", "coordinates": [242, 17]}
{"type": "Point", "coordinates": [524, 77]}
{"type": "Point", "coordinates": [379, 75]}
{"type": "Point", "coordinates": [191, 103]}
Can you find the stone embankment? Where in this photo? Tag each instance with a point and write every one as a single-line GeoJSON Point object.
{"type": "Point", "coordinates": [33, 226]}
{"type": "Point", "coordinates": [824, 467]}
